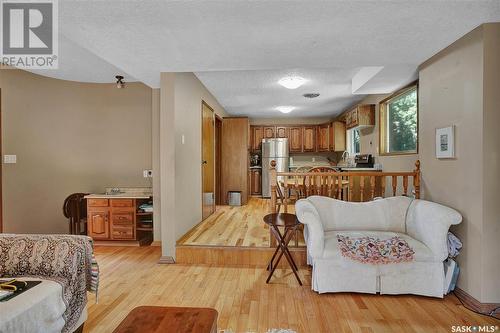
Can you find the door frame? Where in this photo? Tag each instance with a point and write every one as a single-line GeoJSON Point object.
{"type": "Point", "coordinates": [1, 165]}
{"type": "Point", "coordinates": [203, 103]}
{"type": "Point", "coordinates": [218, 160]}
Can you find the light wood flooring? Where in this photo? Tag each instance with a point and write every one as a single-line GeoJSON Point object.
{"type": "Point", "coordinates": [234, 226]}
{"type": "Point", "coordinates": [131, 277]}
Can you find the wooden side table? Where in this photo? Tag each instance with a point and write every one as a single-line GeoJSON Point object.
{"type": "Point", "coordinates": [290, 223]}
{"type": "Point", "coordinates": [162, 319]}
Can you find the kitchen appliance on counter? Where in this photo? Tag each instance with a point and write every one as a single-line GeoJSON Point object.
{"type": "Point", "coordinates": [254, 160]}
{"type": "Point", "coordinates": [364, 161]}
{"type": "Point", "coordinates": [277, 150]}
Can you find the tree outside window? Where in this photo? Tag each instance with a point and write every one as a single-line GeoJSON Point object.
{"type": "Point", "coordinates": [399, 119]}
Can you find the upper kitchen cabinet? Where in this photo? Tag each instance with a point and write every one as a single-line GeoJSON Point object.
{"type": "Point", "coordinates": [269, 132]}
{"type": "Point", "coordinates": [309, 142]}
{"type": "Point", "coordinates": [362, 115]}
{"type": "Point", "coordinates": [281, 132]}
{"type": "Point", "coordinates": [337, 136]}
{"type": "Point", "coordinates": [257, 134]}
{"type": "Point", "coordinates": [323, 137]}
{"type": "Point", "coordinates": [295, 139]}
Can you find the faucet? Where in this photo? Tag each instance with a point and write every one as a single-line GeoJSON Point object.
{"type": "Point", "coordinates": [345, 155]}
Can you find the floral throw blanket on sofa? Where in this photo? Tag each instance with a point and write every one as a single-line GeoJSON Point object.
{"type": "Point", "coordinates": [370, 250]}
{"type": "Point", "coordinates": [66, 259]}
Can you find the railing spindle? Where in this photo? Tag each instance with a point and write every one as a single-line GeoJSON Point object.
{"type": "Point", "coordinates": [362, 187]}
{"type": "Point", "coordinates": [405, 185]}
{"type": "Point", "coordinates": [372, 187]}
{"type": "Point", "coordinates": [382, 187]}
{"type": "Point", "coordinates": [339, 187]}
{"type": "Point", "coordinates": [394, 185]}
{"type": "Point", "coordinates": [350, 192]}
{"type": "Point", "coordinates": [285, 194]}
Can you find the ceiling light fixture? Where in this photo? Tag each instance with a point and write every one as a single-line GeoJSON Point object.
{"type": "Point", "coordinates": [292, 82]}
{"type": "Point", "coordinates": [311, 95]}
{"type": "Point", "coordinates": [119, 82]}
{"type": "Point", "coordinates": [285, 109]}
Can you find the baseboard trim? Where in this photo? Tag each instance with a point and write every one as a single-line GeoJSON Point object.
{"type": "Point", "coordinates": [474, 304]}
{"type": "Point", "coordinates": [166, 260]}
{"type": "Point", "coordinates": [156, 243]}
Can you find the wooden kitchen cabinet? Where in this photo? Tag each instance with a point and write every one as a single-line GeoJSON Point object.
{"type": "Point", "coordinates": [269, 132]}
{"type": "Point", "coordinates": [118, 219]}
{"type": "Point", "coordinates": [255, 182]}
{"type": "Point", "coordinates": [362, 115]}
{"type": "Point", "coordinates": [337, 136]}
{"type": "Point", "coordinates": [295, 139]}
{"type": "Point", "coordinates": [309, 139]}
{"type": "Point", "coordinates": [323, 137]}
{"type": "Point", "coordinates": [281, 132]}
{"type": "Point", "coordinates": [257, 134]}
{"type": "Point", "coordinates": [98, 222]}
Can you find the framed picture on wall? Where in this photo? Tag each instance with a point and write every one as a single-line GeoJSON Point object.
{"type": "Point", "coordinates": [445, 142]}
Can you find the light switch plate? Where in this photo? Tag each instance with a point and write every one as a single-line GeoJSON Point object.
{"type": "Point", "coordinates": [147, 173]}
{"type": "Point", "coordinates": [9, 159]}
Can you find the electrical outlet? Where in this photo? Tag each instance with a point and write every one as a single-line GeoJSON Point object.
{"type": "Point", "coordinates": [147, 173]}
{"type": "Point", "coordinates": [10, 159]}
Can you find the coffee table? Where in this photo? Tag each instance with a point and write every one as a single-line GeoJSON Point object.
{"type": "Point", "coordinates": [290, 223]}
{"type": "Point", "coordinates": [156, 319]}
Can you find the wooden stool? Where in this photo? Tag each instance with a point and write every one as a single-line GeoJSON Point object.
{"type": "Point", "coordinates": [156, 319]}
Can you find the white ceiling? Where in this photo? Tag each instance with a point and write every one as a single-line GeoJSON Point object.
{"type": "Point", "coordinates": [144, 38]}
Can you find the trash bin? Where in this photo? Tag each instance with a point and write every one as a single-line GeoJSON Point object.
{"type": "Point", "coordinates": [234, 198]}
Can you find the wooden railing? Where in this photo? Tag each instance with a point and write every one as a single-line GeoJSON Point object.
{"type": "Point", "coordinates": [348, 186]}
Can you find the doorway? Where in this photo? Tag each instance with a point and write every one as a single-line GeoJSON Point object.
{"type": "Point", "coordinates": [218, 160]}
{"type": "Point", "coordinates": [207, 160]}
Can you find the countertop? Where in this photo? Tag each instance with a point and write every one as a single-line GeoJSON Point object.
{"type": "Point", "coordinates": [117, 196]}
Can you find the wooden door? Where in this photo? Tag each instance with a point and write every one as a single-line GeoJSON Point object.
{"type": "Point", "coordinates": [269, 132]}
{"type": "Point", "coordinates": [98, 223]}
{"type": "Point", "coordinates": [208, 160]}
{"type": "Point", "coordinates": [256, 182]}
{"type": "Point", "coordinates": [218, 160]}
{"type": "Point", "coordinates": [281, 132]}
{"type": "Point", "coordinates": [257, 136]}
{"type": "Point", "coordinates": [323, 135]}
{"type": "Point", "coordinates": [295, 139]}
{"type": "Point", "coordinates": [309, 138]}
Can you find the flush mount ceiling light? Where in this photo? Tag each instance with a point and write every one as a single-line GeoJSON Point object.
{"type": "Point", "coordinates": [311, 95]}
{"type": "Point", "coordinates": [292, 82]}
{"type": "Point", "coordinates": [119, 82]}
{"type": "Point", "coordinates": [285, 109]}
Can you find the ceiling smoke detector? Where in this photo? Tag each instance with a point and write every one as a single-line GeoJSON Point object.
{"type": "Point", "coordinates": [119, 82]}
{"type": "Point", "coordinates": [311, 95]}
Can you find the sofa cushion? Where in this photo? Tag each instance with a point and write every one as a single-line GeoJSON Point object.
{"type": "Point", "coordinates": [380, 215]}
{"type": "Point", "coordinates": [331, 249]}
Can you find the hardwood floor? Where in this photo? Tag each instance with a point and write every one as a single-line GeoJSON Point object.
{"type": "Point", "coordinates": [234, 226]}
{"type": "Point", "coordinates": [131, 277]}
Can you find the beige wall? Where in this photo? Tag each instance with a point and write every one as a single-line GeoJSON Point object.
{"type": "Point", "coordinates": [68, 137]}
{"type": "Point", "coordinates": [187, 93]}
{"type": "Point", "coordinates": [459, 86]}
{"type": "Point", "coordinates": [491, 165]}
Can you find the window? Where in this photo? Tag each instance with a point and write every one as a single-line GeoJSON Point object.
{"type": "Point", "coordinates": [399, 123]}
{"type": "Point", "coordinates": [354, 146]}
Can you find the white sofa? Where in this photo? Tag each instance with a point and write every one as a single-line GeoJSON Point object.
{"type": "Point", "coordinates": [423, 224]}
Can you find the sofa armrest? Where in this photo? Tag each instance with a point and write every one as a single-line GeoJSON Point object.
{"type": "Point", "coordinates": [308, 215]}
{"type": "Point", "coordinates": [428, 222]}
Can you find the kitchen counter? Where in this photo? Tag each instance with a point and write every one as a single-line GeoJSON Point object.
{"type": "Point", "coordinates": [255, 167]}
{"type": "Point", "coordinates": [118, 196]}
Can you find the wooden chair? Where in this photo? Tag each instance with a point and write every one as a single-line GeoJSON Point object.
{"type": "Point", "coordinates": [75, 210]}
{"type": "Point", "coordinates": [279, 197]}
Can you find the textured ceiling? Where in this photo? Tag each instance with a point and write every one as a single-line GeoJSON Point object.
{"type": "Point", "coordinates": [144, 38]}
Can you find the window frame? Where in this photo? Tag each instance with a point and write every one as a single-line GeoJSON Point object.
{"type": "Point", "coordinates": [383, 122]}
{"type": "Point", "coordinates": [350, 141]}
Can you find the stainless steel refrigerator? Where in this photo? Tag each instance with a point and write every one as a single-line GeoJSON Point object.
{"type": "Point", "coordinates": [273, 149]}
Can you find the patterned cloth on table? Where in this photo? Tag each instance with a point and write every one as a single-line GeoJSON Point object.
{"type": "Point", "coordinates": [66, 259]}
